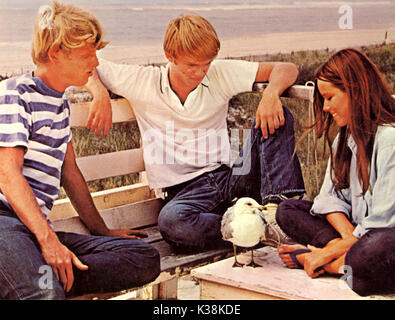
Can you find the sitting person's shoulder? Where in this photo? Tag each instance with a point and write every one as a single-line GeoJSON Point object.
{"type": "Point", "coordinates": [21, 83]}
{"type": "Point", "coordinates": [385, 136]}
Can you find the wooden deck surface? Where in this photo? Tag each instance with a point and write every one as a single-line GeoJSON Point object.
{"type": "Point", "coordinates": [219, 281]}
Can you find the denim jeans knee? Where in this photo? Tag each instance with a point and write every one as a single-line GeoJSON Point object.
{"type": "Point", "coordinates": [24, 273]}
{"type": "Point", "coordinates": [186, 228]}
{"type": "Point", "coordinates": [268, 168]}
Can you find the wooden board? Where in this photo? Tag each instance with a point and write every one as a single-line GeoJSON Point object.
{"type": "Point", "coordinates": [183, 263]}
{"type": "Point", "coordinates": [215, 291]}
{"type": "Point", "coordinates": [111, 164]}
{"type": "Point", "coordinates": [135, 215]}
{"type": "Point", "coordinates": [105, 199]}
{"type": "Point", "coordinates": [296, 91]}
{"type": "Point", "coordinates": [121, 112]}
{"type": "Point", "coordinates": [272, 280]}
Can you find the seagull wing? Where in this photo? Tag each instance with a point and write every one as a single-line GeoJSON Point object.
{"type": "Point", "coordinates": [226, 229]}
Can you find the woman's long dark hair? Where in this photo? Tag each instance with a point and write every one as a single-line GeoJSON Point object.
{"type": "Point", "coordinates": [371, 105]}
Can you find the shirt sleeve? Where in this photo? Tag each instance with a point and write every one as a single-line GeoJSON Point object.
{"type": "Point", "coordinates": [382, 213]}
{"type": "Point", "coordinates": [119, 78]}
{"type": "Point", "coordinates": [330, 200]}
{"type": "Point", "coordinates": [15, 120]}
{"type": "Point", "coordinates": [233, 76]}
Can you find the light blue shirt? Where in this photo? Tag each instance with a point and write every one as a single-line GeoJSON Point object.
{"type": "Point", "coordinates": [376, 209]}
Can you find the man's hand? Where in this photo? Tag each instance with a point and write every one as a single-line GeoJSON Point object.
{"type": "Point", "coordinates": [100, 111]}
{"type": "Point", "coordinates": [100, 117]}
{"type": "Point", "coordinates": [126, 233]}
{"type": "Point", "coordinates": [270, 114]}
{"type": "Point", "coordinates": [61, 259]}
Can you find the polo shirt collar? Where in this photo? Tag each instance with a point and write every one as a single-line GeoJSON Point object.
{"type": "Point", "coordinates": [165, 83]}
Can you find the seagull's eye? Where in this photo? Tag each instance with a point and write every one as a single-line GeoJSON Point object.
{"type": "Point", "coordinates": [249, 204]}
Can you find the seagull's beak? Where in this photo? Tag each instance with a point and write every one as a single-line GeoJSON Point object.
{"type": "Point", "coordinates": [258, 209]}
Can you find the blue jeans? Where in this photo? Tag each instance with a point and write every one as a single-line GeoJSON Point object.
{"type": "Point", "coordinates": [369, 263]}
{"type": "Point", "coordinates": [264, 170]}
{"type": "Point", "coordinates": [114, 263]}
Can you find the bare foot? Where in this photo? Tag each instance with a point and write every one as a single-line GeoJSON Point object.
{"type": "Point", "coordinates": [292, 255]}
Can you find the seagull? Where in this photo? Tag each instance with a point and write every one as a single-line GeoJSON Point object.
{"type": "Point", "coordinates": [244, 225]}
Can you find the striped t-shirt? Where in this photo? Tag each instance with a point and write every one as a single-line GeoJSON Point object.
{"type": "Point", "coordinates": [36, 118]}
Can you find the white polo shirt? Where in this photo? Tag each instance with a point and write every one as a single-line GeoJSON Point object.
{"type": "Point", "coordinates": [180, 141]}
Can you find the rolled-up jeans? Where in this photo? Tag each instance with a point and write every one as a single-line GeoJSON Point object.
{"type": "Point", "coordinates": [266, 170]}
{"type": "Point", "coordinates": [113, 263]}
{"type": "Point", "coordinates": [369, 263]}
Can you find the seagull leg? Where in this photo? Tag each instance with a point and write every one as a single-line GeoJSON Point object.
{"type": "Point", "coordinates": [236, 263]}
{"type": "Point", "coordinates": [253, 263]}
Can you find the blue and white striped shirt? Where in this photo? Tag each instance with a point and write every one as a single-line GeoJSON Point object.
{"type": "Point", "coordinates": [36, 118]}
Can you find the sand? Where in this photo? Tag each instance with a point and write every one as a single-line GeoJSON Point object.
{"type": "Point", "coordinates": [18, 60]}
{"type": "Point", "coordinates": [267, 44]}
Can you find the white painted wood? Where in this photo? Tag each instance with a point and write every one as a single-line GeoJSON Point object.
{"type": "Point", "coordinates": [105, 199]}
{"type": "Point", "coordinates": [274, 279]}
{"type": "Point", "coordinates": [133, 215]}
{"type": "Point", "coordinates": [296, 91]}
{"type": "Point", "coordinates": [168, 289]}
{"type": "Point", "coordinates": [111, 164]}
{"type": "Point", "coordinates": [121, 112]}
{"type": "Point", "coordinates": [216, 291]}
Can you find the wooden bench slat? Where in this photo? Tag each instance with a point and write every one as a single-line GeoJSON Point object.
{"type": "Point", "coordinates": [105, 199]}
{"type": "Point", "coordinates": [121, 112]}
{"type": "Point", "coordinates": [135, 215]}
{"type": "Point", "coordinates": [296, 91]}
{"type": "Point", "coordinates": [111, 164]}
{"type": "Point", "coordinates": [183, 263]}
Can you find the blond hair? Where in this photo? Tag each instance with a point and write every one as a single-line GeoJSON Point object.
{"type": "Point", "coordinates": [191, 35]}
{"type": "Point", "coordinates": [65, 26]}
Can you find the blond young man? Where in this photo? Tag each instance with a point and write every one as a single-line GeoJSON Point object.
{"type": "Point", "coordinates": [181, 110]}
{"type": "Point", "coordinates": [36, 157]}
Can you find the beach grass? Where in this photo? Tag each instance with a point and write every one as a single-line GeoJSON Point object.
{"type": "Point", "coordinates": [242, 109]}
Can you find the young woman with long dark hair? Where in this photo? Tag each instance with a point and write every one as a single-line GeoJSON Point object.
{"type": "Point", "coordinates": [349, 228]}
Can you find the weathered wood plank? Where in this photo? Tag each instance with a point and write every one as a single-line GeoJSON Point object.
{"type": "Point", "coordinates": [183, 263]}
{"type": "Point", "coordinates": [274, 279]}
{"type": "Point", "coordinates": [136, 215]}
{"type": "Point", "coordinates": [105, 199]}
{"type": "Point", "coordinates": [111, 164]}
{"type": "Point", "coordinates": [296, 91]}
{"type": "Point", "coordinates": [215, 291]}
{"type": "Point", "coordinates": [121, 112]}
